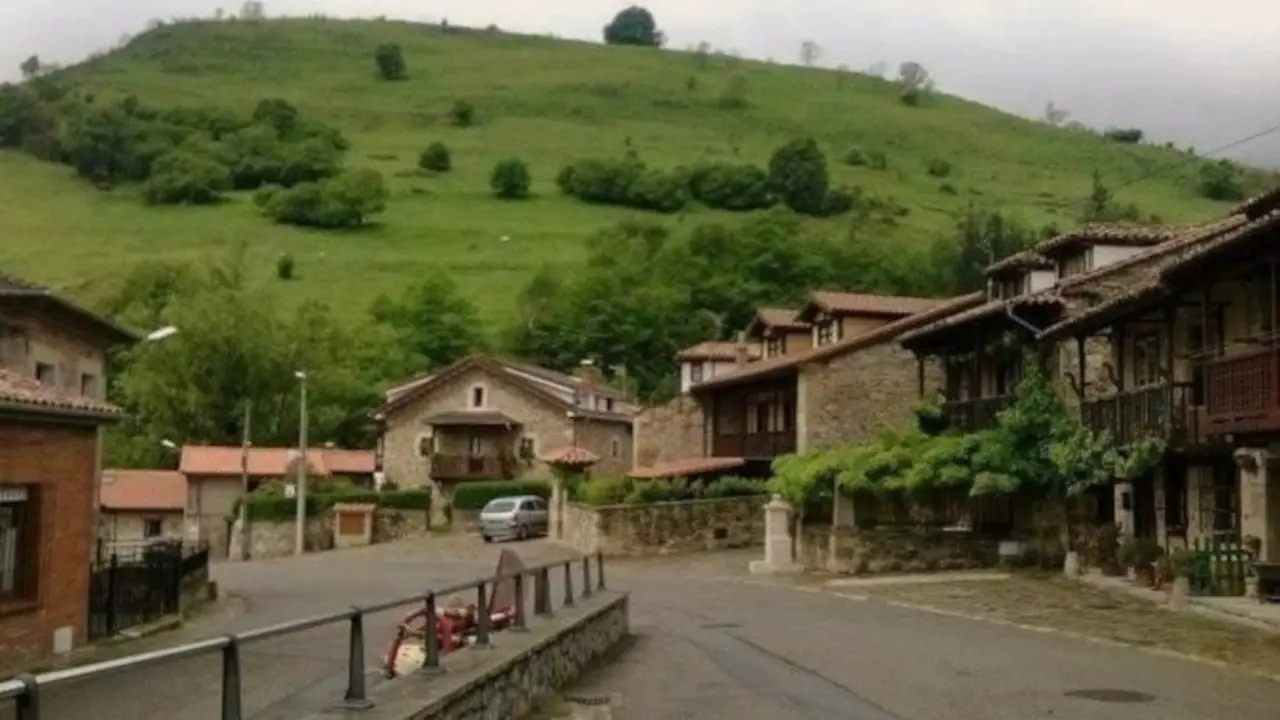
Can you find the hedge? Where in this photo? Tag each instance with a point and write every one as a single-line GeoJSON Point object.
{"type": "Point", "coordinates": [276, 508]}
{"type": "Point", "coordinates": [475, 495]}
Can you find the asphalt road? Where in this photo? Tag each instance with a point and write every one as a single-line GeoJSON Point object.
{"type": "Point", "coordinates": [710, 643]}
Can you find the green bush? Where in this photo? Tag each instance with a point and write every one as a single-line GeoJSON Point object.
{"type": "Point", "coordinates": [182, 177]}
{"type": "Point", "coordinates": [731, 187]}
{"type": "Point", "coordinates": [659, 190]}
{"type": "Point", "coordinates": [856, 157]}
{"type": "Point", "coordinates": [389, 60]}
{"type": "Point", "coordinates": [284, 266]}
{"type": "Point", "coordinates": [344, 201]}
{"type": "Point", "coordinates": [732, 486]}
{"type": "Point", "coordinates": [605, 491]}
{"type": "Point", "coordinates": [475, 495]}
{"type": "Point", "coordinates": [510, 179]}
{"type": "Point", "coordinates": [462, 114]}
{"type": "Point", "coordinates": [939, 167]}
{"type": "Point", "coordinates": [436, 158]}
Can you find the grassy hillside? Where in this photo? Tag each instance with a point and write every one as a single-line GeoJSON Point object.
{"type": "Point", "coordinates": [548, 102]}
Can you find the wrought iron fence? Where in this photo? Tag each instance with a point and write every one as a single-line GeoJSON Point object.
{"type": "Point", "coordinates": [25, 690]}
{"type": "Point", "coordinates": [138, 585]}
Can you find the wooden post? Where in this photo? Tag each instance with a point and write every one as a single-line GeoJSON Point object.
{"type": "Point", "coordinates": [1080, 367]}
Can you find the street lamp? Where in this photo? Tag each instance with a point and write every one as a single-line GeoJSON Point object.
{"type": "Point", "coordinates": [160, 334]}
{"type": "Point", "coordinates": [169, 444]}
{"type": "Point", "coordinates": [301, 491]}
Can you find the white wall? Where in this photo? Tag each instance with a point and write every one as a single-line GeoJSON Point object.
{"type": "Point", "coordinates": [1041, 280]}
{"type": "Point", "coordinates": [710, 369]}
{"type": "Point", "coordinates": [1104, 255]}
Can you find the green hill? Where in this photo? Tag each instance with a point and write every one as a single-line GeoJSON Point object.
{"type": "Point", "coordinates": [548, 102]}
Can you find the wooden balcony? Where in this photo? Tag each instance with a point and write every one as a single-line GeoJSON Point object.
{"type": "Point", "coordinates": [1167, 412]}
{"type": "Point", "coordinates": [754, 445]}
{"type": "Point", "coordinates": [473, 467]}
{"type": "Point", "coordinates": [1241, 393]}
{"type": "Point", "coordinates": [976, 414]}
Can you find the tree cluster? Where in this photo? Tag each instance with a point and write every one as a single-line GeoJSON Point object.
{"type": "Point", "coordinates": [634, 26]}
{"type": "Point", "coordinates": [340, 202]}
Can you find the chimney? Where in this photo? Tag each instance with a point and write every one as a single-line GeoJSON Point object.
{"type": "Point", "coordinates": [740, 356]}
{"type": "Point", "coordinates": [587, 373]}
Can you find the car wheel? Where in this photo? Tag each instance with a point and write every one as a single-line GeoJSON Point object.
{"type": "Point", "coordinates": [487, 538]}
{"type": "Point", "coordinates": [523, 533]}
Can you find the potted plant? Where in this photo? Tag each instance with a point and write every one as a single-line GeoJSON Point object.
{"type": "Point", "coordinates": [1141, 555]}
{"type": "Point", "coordinates": [1253, 545]}
{"type": "Point", "coordinates": [1104, 550]}
{"type": "Point", "coordinates": [1176, 568]}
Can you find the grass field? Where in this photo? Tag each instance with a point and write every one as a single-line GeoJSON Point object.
{"type": "Point", "coordinates": [544, 100]}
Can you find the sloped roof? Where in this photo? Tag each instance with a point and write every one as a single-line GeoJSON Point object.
{"type": "Point", "coordinates": [1109, 234]}
{"type": "Point", "coordinates": [685, 467]}
{"type": "Point", "coordinates": [158, 490]}
{"type": "Point", "coordinates": [847, 303]}
{"type": "Point", "coordinates": [717, 350]}
{"type": "Point", "coordinates": [13, 288]}
{"type": "Point", "coordinates": [1260, 204]}
{"type": "Point", "coordinates": [1025, 260]}
{"type": "Point", "coordinates": [987, 309]}
{"type": "Point", "coordinates": [570, 456]}
{"type": "Point", "coordinates": [514, 374]}
{"type": "Point", "coordinates": [21, 393]}
{"type": "Point", "coordinates": [884, 333]}
{"type": "Point", "coordinates": [780, 318]}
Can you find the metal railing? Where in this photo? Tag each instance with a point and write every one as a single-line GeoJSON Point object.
{"type": "Point", "coordinates": [25, 690]}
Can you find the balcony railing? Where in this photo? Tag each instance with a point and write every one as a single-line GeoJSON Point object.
{"type": "Point", "coordinates": [1241, 392]}
{"type": "Point", "coordinates": [1166, 412]}
{"type": "Point", "coordinates": [974, 415]}
{"type": "Point", "coordinates": [474, 467]}
{"type": "Point", "coordinates": [754, 445]}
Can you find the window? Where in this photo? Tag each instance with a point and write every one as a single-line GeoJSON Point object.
{"type": "Point", "coordinates": [475, 445]}
{"type": "Point", "coordinates": [1261, 314]}
{"type": "Point", "coordinates": [1076, 264]}
{"type": "Point", "coordinates": [89, 385]}
{"type": "Point", "coordinates": [151, 528]}
{"type": "Point", "coordinates": [46, 374]}
{"type": "Point", "coordinates": [608, 404]}
{"type": "Point", "coordinates": [528, 448]}
{"type": "Point", "coordinates": [477, 396]}
{"type": "Point", "coordinates": [1146, 360]}
{"type": "Point", "coordinates": [539, 504]}
{"type": "Point", "coordinates": [826, 332]}
{"type": "Point", "coordinates": [615, 448]}
{"type": "Point", "coordinates": [772, 347]}
{"type": "Point", "coordinates": [528, 505]}
{"type": "Point", "coordinates": [695, 372]}
{"type": "Point", "coordinates": [19, 542]}
{"type": "Point", "coordinates": [426, 445]}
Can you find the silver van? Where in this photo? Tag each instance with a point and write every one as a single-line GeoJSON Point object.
{"type": "Point", "coordinates": [515, 517]}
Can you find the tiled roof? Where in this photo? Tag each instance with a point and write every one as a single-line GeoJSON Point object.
{"type": "Point", "coordinates": [570, 456]}
{"type": "Point", "coordinates": [272, 462]}
{"type": "Point", "coordinates": [888, 331]}
{"type": "Point", "coordinates": [11, 287]}
{"type": "Point", "coordinates": [1260, 204]}
{"type": "Point", "coordinates": [472, 418]}
{"type": "Point", "coordinates": [780, 318]}
{"type": "Point", "coordinates": [143, 490]}
{"type": "Point", "coordinates": [517, 374]}
{"type": "Point", "coordinates": [1201, 251]}
{"type": "Point", "coordinates": [1109, 234]}
{"type": "Point", "coordinates": [1025, 260]}
{"type": "Point", "coordinates": [23, 393]}
{"type": "Point", "coordinates": [686, 467]}
{"type": "Point", "coordinates": [867, 303]}
{"type": "Point", "coordinates": [987, 309]}
{"type": "Point", "coordinates": [717, 350]}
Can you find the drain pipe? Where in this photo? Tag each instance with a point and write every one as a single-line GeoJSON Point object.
{"type": "Point", "coordinates": [1008, 311]}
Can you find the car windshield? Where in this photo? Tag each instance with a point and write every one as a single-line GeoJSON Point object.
{"type": "Point", "coordinates": [500, 506]}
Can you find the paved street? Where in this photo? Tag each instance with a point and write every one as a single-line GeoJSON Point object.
{"type": "Point", "coordinates": [710, 643]}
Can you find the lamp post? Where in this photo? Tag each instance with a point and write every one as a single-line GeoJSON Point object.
{"type": "Point", "coordinates": [301, 490]}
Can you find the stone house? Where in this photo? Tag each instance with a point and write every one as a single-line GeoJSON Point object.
{"type": "Point", "coordinates": [482, 418]}
{"type": "Point", "coordinates": [712, 358]}
{"type": "Point", "coordinates": [1132, 378]}
{"type": "Point", "coordinates": [53, 359]}
{"type": "Point", "coordinates": [839, 391]}
{"type": "Point", "coordinates": [215, 475]}
{"type": "Point", "coordinates": [776, 332]}
{"type": "Point", "coordinates": [1193, 360]}
{"type": "Point", "coordinates": [140, 507]}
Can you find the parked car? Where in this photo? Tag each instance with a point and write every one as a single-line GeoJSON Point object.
{"type": "Point", "coordinates": [516, 517]}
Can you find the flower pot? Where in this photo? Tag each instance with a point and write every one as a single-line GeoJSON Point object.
{"type": "Point", "coordinates": [1071, 565]}
{"type": "Point", "coordinates": [1179, 591]}
{"type": "Point", "coordinates": [1145, 576]}
{"type": "Point", "coordinates": [1251, 587]}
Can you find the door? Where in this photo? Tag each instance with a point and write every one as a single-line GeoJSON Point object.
{"type": "Point", "coordinates": [475, 455]}
{"type": "Point", "coordinates": [1144, 507]}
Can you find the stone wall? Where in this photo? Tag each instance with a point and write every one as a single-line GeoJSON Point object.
{"type": "Point", "coordinates": [277, 539]}
{"type": "Point", "coordinates": [862, 552]}
{"type": "Point", "coordinates": [664, 528]}
{"type": "Point", "coordinates": [391, 524]}
{"type": "Point", "coordinates": [670, 432]}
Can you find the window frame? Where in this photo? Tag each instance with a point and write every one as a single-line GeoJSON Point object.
{"type": "Point", "coordinates": [477, 397]}
{"type": "Point", "coordinates": [27, 539]}
{"type": "Point", "coordinates": [147, 527]}
{"type": "Point", "coordinates": [615, 448]}
{"type": "Point", "coordinates": [696, 372]}
{"type": "Point", "coordinates": [90, 380]}
{"type": "Point", "coordinates": [53, 370]}
{"type": "Point", "coordinates": [428, 439]}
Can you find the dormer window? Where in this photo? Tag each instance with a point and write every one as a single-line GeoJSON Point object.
{"type": "Point", "coordinates": [827, 332]}
{"type": "Point", "coordinates": [1079, 263]}
{"type": "Point", "coordinates": [695, 372]}
{"type": "Point", "coordinates": [773, 347]}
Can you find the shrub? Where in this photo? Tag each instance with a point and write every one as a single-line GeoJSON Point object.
{"type": "Point", "coordinates": [436, 158]}
{"type": "Point", "coordinates": [731, 187]}
{"type": "Point", "coordinates": [475, 495]}
{"type": "Point", "coordinates": [510, 179]}
{"type": "Point", "coordinates": [877, 160]}
{"type": "Point", "coordinates": [838, 201]}
{"type": "Point", "coordinates": [732, 486]}
{"type": "Point", "coordinates": [186, 177]}
{"type": "Point", "coordinates": [1220, 180]}
{"type": "Point", "coordinates": [462, 114]}
{"type": "Point", "coordinates": [798, 175]}
{"type": "Point", "coordinates": [278, 114]}
{"type": "Point", "coordinates": [284, 266]}
{"type": "Point", "coordinates": [855, 157]}
{"type": "Point", "coordinates": [601, 181]}
{"type": "Point", "coordinates": [605, 491]}
{"type": "Point", "coordinates": [939, 167]}
{"type": "Point", "coordinates": [344, 201]}
{"type": "Point", "coordinates": [660, 190]}
{"type": "Point", "coordinates": [389, 59]}
{"type": "Point", "coordinates": [633, 26]}
{"type": "Point", "coordinates": [1128, 136]}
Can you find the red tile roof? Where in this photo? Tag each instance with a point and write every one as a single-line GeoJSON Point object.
{"type": "Point", "coordinates": [865, 304]}
{"type": "Point", "coordinates": [272, 462]}
{"type": "Point", "coordinates": [158, 490]}
{"type": "Point", "coordinates": [884, 333]}
{"type": "Point", "coordinates": [686, 467]}
{"type": "Point", "coordinates": [570, 456]}
{"type": "Point", "coordinates": [23, 393]}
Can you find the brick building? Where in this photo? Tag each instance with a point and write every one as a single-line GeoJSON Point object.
{"type": "Point", "coordinates": [50, 453]}
{"type": "Point", "coordinates": [483, 418]}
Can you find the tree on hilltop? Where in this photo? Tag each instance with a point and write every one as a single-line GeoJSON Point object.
{"type": "Point", "coordinates": [390, 61]}
{"type": "Point", "coordinates": [634, 26]}
{"type": "Point", "coordinates": [30, 67]}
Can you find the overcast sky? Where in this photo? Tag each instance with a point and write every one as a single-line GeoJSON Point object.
{"type": "Point", "coordinates": [1199, 73]}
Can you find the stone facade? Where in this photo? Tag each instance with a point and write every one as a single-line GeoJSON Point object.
{"type": "Point", "coordinates": [849, 397]}
{"type": "Point", "coordinates": [128, 528]}
{"type": "Point", "coordinates": [862, 552]}
{"type": "Point", "coordinates": [390, 525]}
{"type": "Point", "coordinates": [541, 420]}
{"type": "Point", "coordinates": [670, 432]}
{"type": "Point", "coordinates": [76, 355]}
{"type": "Point", "coordinates": [57, 464]}
{"type": "Point", "coordinates": [664, 528]}
{"type": "Point", "coordinates": [278, 539]}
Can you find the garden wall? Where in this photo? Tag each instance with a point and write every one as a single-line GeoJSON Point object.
{"type": "Point", "coordinates": [885, 550]}
{"type": "Point", "coordinates": [271, 539]}
{"type": "Point", "coordinates": [664, 528]}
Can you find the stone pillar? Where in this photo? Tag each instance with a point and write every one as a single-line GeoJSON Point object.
{"type": "Point", "coordinates": [1124, 509]}
{"type": "Point", "coordinates": [1254, 511]}
{"type": "Point", "coordinates": [353, 524]}
{"type": "Point", "coordinates": [438, 501]}
{"type": "Point", "coordinates": [777, 540]}
{"type": "Point", "coordinates": [1157, 482]}
{"type": "Point", "coordinates": [555, 514]}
